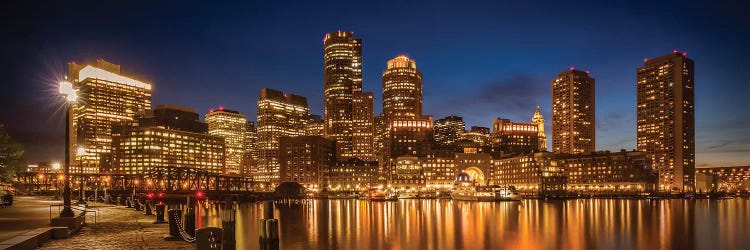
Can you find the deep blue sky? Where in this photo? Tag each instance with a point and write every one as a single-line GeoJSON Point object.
{"type": "Point", "coordinates": [479, 60]}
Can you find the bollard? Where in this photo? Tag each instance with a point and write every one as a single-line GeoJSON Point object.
{"type": "Point", "coordinates": [268, 228]}
{"type": "Point", "coordinates": [174, 227]}
{"type": "Point", "coordinates": [160, 213]}
{"type": "Point", "coordinates": [208, 238]}
{"type": "Point", "coordinates": [148, 208]}
{"type": "Point", "coordinates": [136, 204]}
{"type": "Point", "coordinates": [190, 220]}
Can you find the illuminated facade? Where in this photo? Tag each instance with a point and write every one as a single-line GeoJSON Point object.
{"type": "Point", "coordinates": [538, 119]}
{"type": "Point", "coordinates": [106, 97]}
{"type": "Point", "coordinates": [534, 174]}
{"type": "Point", "coordinates": [666, 119]}
{"type": "Point", "coordinates": [604, 172]}
{"type": "Point", "coordinates": [480, 135]}
{"type": "Point", "coordinates": [439, 171]}
{"type": "Point", "coordinates": [364, 127]}
{"type": "Point", "coordinates": [449, 129]}
{"type": "Point", "coordinates": [230, 125]}
{"type": "Point", "coordinates": [513, 137]}
{"type": "Point", "coordinates": [730, 179]}
{"type": "Point", "coordinates": [168, 136]}
{"type": "Point", "coordinates": [573, 112]}
{"type": "Point", "coordinates": [352, 174]}
{"type": "Point", "coordinates": [250, 156]}
{"type": "Point", "coordinates": [279, 114]}
{"type": "Point", "coordinates": [402, 90]}
{"type": "Point", "coordinates": [315, 127]}
{"type": "Point", "coordinates": [407, 174]}
{"type": "Point", "coordinates": [305, 158]}
{"type": "Point", "coordinates": [408, 138]}
{"type": "Point", "coordinates": [342, 78]}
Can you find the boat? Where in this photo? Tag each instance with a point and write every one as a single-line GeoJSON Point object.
{"type": "Point", "coordinates": [465, 190]}
{"type": "Point", "coordinates": [408, 196]}
{"type": "Point", "coordinates": [377, 194]}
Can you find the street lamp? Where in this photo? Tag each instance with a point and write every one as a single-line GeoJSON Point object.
{"type": "Point", "coordinates": [66, 89]}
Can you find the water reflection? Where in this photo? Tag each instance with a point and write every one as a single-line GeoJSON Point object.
{"type": "Point", "coordinates": [532, 224]}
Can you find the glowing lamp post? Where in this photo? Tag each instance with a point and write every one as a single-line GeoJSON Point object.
{"type": "Point", "coordinates": [66, 89]}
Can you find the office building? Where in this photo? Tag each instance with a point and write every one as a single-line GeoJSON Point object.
{"type": "Point", "coordinates": [230, 125]}
{"type": "Point", "coordinates": [666, 119]}
{"type": "Point", "coordinates": [168, 136]}
{"type": "Point", "coordinates": [304, 159]}
{"type": "Point", "coordinates": [509, 137]}
{"type": "Point", "coordinates": [342, 78]}
{"type": "Point", "coordinates": [315, 127]}
{"type": "Point", "coordinates": [573, 112]}
{"type": "Point", "coordinates": [402, 90]}
{"type": "Point", "coordinates": [538, 119]}
{"type": "Point", "coordinates": [279, 114]}
{"type": "Point", "coordinates": [106, 96]}
{"type": "Point", "coordinates": [449, 129]}
{"type": "Point", "coordinates": [363, 139]}
{"type": "Point", "coordinates": [352, 174]}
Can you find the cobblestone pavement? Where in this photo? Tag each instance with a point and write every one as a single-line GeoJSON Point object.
{"type": "Point", "coordinates": [120, 228]}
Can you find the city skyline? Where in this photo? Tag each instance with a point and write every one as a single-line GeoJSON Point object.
{"type": "Point", "coordinates": [618, 115]}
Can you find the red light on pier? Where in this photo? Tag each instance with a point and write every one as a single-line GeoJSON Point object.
{"type": "Point", "coordinates": [161, 195]}
{"type": "Point", "coordinates": [150, 196]}
{"type": "Point", "coordinates": [200, 195]}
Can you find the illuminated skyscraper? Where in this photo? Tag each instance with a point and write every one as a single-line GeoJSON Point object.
{"type": "Point", "coordinates": [573, 112]}
{"type": "Point", "coordinates": [315, 127]}
{"type": "Point", "coordinates": [106, 97]}
{"type": "Point", "coordinates": [168, 136]}
{"type": "Point", "coordinates": [230, 125]}
{"type": "Point", "coordinates": [666, 118]}
{"type": "Point", "coordinates": [538, 119]}
{"type": "Point", "coordinates": [364, 127]}
{"type": "Point", "coordinates": [250, 157]}
{"type": "Point", "coordinates": [342, 79]}
{"type": "Point", "coordinates": [402, 90]}
{"type": "Point", "coordinates": [449, 129]}
{"type": "Point", "coordinates": [279, 114]}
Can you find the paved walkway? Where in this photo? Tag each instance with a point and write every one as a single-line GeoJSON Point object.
{"type": "Point", "coordinates": [26, 214]}
{"type": "Point", "coordinates": [120, 228]}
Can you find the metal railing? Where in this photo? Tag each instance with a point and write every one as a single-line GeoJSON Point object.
{"type": "Point", "coordinates": [85, 211]}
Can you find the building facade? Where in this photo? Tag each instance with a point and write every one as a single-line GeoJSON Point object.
{"type": "Point", "coordinates": [509, 137]}
{"type": "Point", "coordinates": [538, 119]}
{"type": "Point", "coordinates": [449, 129]}
{"type": "Point", "coordinates": [573, 112]}
{"type": "Point", "coordinates": [352, 174]}
{"type": "Point", "coordinates": [250, 156]}
{"type": "Point", "coordinates": [342, 79]}
{"type": "Point", "coordinates": [407, 138]}
{"type": "Point", "coordinates": [729, 179]}
{"type": "Point", "coordinates": [480, 135]}
{"type": "Point", "coordinates": [315, 127]}
{"type": "Point", "coordinates": [232, 126]}
{"type": "Point", "coordinates": [666, 119]}
{"type": "Point", "coordinates": [604, 172]}
{"type": "Point", "coordinates": [279, 114]}
{"type": "Point", "coordinates": [106, 97]}
{"type": "Point", "coordinates": [168, 136]}
{"type": "Point", "coordinates": [402, 90]}
{"type": "Point", "coordinates": [534, 174]}
{"type": "Point", "coordinates": [363, 139]}
{"type": "Point", "coordinates": [304, 159]}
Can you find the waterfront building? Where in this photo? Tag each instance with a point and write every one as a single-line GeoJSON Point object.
{"type": "Point", "coordinates": [279, 114]}
{"type": "Point", "coordinates": [106, 96]}
{"type": "Point", "coordinates": [304, 159]}
{"type": "Point", "coordinates": [439, 171]}
{"type": "Point", "coordinates": [168, 136]}
{"type": "Point", "coordinates": [315, 127]}
{"type": "Point", "coordinates": [606, 173]}
{"type": "Point", "coordinates": [538, 119]}
{"type": "Point", "coordinates": [402, 90]}
{"type": "Point", "coordinates": [730, 179]}
{"type": "Point", "coordinates": [477, 165]}
{"type": "Point", "coordinates": [533, 174]}
{"type": "Point", "coordinates": [342, 79]}
{"type": "Point", "coordinates": [408, 138]}
{"type": "Point", "coordinates": [509, 137]}
{"type": "Point", "coordinates": [352, 174]}
{"type": "Point", "coordinates": [666, 119]}
{"type": "Point", "coordinates": [449, 129]}
{"type": "Point", "coordinates": [232, 126]}
{"type": "Point", "coordinates": [407, 174]}
{"type": "Point", "coordinates": [363, 138]}
{"type": "Point", "coordinates": [573, 112]}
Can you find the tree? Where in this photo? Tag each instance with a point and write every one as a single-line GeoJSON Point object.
{"type": "Point", "coordinates": [11, 153]}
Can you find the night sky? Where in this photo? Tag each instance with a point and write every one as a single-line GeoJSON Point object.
{"type": "Point", "coordinates": [479, 60]}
